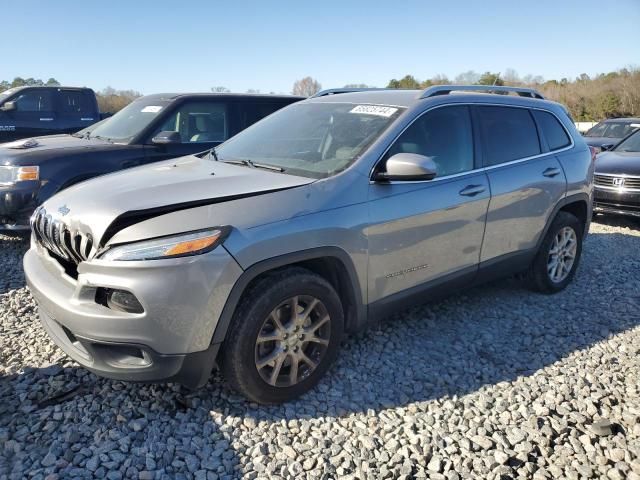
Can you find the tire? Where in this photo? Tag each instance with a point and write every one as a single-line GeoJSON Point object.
{"type": "Point", "coordinates": [541, 273]}
{"type": "Point", "coordinates": [265, 311]}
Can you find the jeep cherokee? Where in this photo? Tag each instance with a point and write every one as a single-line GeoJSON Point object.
{"type": "Point", "coordinates": [314, 222]}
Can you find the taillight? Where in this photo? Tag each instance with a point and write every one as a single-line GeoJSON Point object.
{"type": "Point", "coordinates": [594, 152]}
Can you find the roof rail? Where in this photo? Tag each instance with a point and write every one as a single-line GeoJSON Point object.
{"type": "Point", "coordinates": [447, 89]}
{"type": "Point", "coordinates": [334, 91]}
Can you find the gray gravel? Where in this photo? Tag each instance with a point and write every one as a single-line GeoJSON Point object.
{"type": "Point", "coordinates": [496, 382]}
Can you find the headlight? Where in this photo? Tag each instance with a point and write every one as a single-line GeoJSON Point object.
{"type": "Point", "coordinates": [13, 174]}
{"type": "Point", "coordinates": [182, 245]}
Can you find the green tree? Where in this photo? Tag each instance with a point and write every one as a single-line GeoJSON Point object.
{"type": "Point", "coordinates": [488, 78]}
{"type": "Point", "coordinates": [407, 82]}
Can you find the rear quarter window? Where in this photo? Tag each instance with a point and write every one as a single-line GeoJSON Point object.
{"type": "Point", "coordinates": [508, 133]}
{"type": "Point", "coordinates": [552, 130]}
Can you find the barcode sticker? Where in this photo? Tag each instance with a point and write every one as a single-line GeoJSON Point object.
{"type": "Point", "coordinates": [374, 110]}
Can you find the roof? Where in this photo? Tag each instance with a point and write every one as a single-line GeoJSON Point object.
{"type": "Point", "coordinates": [407, 98]}
{"type": "Point", "coordinates": [623, 119]}
{"type": "Point", "coordinates": [172, 96]}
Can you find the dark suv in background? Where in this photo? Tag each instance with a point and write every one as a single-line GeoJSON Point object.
{"type": "Point", "coordinates": [606, 134]}
{"type": "Point", "coordinates": [151, 128]}
{"type": "Point", "coordinates": [31, 111]}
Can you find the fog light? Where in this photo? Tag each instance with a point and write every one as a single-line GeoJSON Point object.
{"type": "Point", "coordinates": [118, 300]}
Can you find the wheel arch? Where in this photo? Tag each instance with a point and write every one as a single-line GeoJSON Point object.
{"type": "Point", "coordinates": [578, 205]}
{"type": "Point", "coordinates": [331, 263]}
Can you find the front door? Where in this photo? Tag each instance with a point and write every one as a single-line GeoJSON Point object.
{"type": "Point", "coordinates": [428, 231]}
{"type": "Point", "coordinates": [201, 124]}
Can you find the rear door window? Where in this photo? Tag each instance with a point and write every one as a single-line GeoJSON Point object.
{"type": "Point", "coordinates": [75, 103]}
{"type": "Point", "coordinates": [554, 133]}
{"type": "Point", "coordinates": [250, 113]}
{"type": "Point", "coordinates": [508, 133]}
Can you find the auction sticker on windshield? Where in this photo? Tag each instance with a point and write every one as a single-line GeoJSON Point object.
{"type": "Point", "coordinates": [374, 110]}
{"type": "Point", "coordinates": [151, 109]}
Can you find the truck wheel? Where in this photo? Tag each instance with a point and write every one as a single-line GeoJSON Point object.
{"type": "Point", "coordinates": [284, 336]}
{"type": "Point", "coordinates": [557, 259]}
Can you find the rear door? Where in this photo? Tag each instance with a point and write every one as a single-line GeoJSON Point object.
{"type": "Point", "coordinates": [34, 114]}
{"type": "Point", "coordinates": [526, 180]}
{"type": "Point", "coordinates": [425, 232]}
{"type": "Point", "coordinates": [75, 109]}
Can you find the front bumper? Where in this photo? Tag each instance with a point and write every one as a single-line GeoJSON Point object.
{"type": "Point", "coordinates": [616, 201]}
{"type": "Point", "coordinates": [17, 203]}
{"type": "Point", "coordinates": [169, 341]}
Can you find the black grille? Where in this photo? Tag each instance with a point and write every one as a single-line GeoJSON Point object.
{"type": "Point", "coordinates": [54, 235]}
{"type": "Point", "coordinates": [617, 182]}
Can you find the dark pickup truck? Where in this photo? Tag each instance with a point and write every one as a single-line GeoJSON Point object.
{"type": "Point", "coordinates": [150, 129]}
{"type": "Point", "coordinates": [32, 111]}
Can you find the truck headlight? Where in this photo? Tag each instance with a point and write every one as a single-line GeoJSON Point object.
{"type": "Point", "coordinates": [182, 245]}
{"type": "Point", "coordinates": [11, 174]}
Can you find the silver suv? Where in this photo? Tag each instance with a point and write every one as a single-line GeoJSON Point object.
{"type": "Point", "coordinates": [319, 220]}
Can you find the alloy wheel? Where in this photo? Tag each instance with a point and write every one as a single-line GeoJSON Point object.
{"type": "Point", "coordinates": [292, 341]}
{"type": "Point", "coordinates": [562, 254]}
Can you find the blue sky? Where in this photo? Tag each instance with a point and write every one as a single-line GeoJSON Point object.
{"type": "Point", "coordinates": [154, 46]}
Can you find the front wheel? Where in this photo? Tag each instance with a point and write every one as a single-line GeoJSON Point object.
{"type": "Point", "coordinates": [284, 336]}
{"type": "Point", "coordinates": [557, 259]}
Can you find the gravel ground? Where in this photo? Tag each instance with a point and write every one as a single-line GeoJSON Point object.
{"type": "Point", "coordinates": [496, 382]}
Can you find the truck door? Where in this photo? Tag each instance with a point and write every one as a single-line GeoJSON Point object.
{"type": "Point", "coordinates": [76, 110]}
{"type": "Point", "coordinates": [34, 114]}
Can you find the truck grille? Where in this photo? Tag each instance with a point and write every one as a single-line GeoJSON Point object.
{"type": "Point", "coordinates": [56, 237]}
{"type": "Point", "coordinates": [612, 181]}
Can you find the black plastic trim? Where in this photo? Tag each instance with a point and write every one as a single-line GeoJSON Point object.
{"type": "Point", "coordinates": [281, 261]}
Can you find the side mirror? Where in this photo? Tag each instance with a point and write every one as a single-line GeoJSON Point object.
{"type": "Point", "coordinates": [167, 138]}
{"type": "Point", "coordinates": [606, 146]}
{"type": "Point", "coordinates": [9, 106]}
{"type": "Point", "coordinates": [407, 167]}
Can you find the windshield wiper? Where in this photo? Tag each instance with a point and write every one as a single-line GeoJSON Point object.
{"type": "Point", "coordinates": [249, 163]}
{"type": "Point", "coordinates": [214, 154]}
{"type": "Point", "coordinates": [106, 139]}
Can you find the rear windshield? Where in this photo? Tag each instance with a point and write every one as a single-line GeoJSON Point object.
{"type": "Point", "coordinates": [128, 122]}
{"type": "Point", "coordinates": [611, 130]}
{"type": "Point", "coordinates": [311, 139]}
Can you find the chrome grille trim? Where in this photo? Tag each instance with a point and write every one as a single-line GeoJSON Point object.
{"type": "Point", "coordinates": [55, 236]}
{"type": "Point", "coordinates": [606, 181]}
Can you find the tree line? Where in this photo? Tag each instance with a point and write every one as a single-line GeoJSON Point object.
{"type": "Point", "coordinates": [606, 95]}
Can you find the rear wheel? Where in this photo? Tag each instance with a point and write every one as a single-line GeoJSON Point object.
{"type": "Point", "coordinates": [284, 336]}
{"type": "Point", "coordinates": [556, 262]}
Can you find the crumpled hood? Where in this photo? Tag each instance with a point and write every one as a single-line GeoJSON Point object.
{"type": "Point", "coordinates": [36, 150]}
{"type": "Point", "coordinates": [618, 163]}
{"type": "Point", "coordinates": [119, 199]}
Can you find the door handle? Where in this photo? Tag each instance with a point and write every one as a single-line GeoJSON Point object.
{"type": "Point", "coordinates": [472, 190]}
{"type": "Point", "coordinates": [551, 172]}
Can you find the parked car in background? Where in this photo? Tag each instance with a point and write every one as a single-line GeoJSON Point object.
{"type": "Point", "coordinates": [606, 134]}
{"type": "Point", "coordinates": [320, 219]}
{"type": "Point", "coordinates": [150, 129]}
{"type": "Point", "coordinates": [617, 178]}
{"type": "Point", "coordinates": [34, 111]}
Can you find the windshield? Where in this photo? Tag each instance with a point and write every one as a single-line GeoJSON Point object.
{"type": "Point", "coordinates": [311, 139]}
{"type": "Point", "coordinates": [631, 144]}
{"type": "Point", "coordinates": [7, 94]}
{"type": "Point", "coordinates": [611, 130]}
{"type": "Point", "coordinates": [128, 122]}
